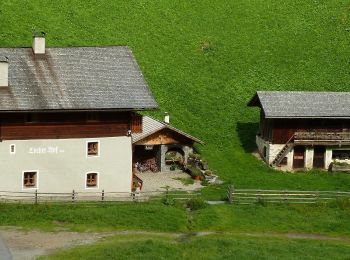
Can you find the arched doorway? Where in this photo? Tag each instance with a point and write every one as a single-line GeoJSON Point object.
{"type": "Point", "coordinates": [174, 158]}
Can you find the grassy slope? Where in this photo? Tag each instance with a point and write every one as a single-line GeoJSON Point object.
{"type": "Point", "coordinates": [210, 247]}
{"type": "Point", "coordinates": [154, 216]}
{"type": "Point", "coordinates": [94, 217]}
{"type": "Point", "coordinates": [266, 45]}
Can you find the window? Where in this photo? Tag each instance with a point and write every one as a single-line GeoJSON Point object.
{"type": "Point", "coordinates": [12, 149]}
{"type": "Point", "coordinates": [284, 161]}
{"type": "Point", "coordinates": [93, 148]}
{"type": "Point", "coordinates": [30, 179]}
{"type": "Point", "coordinates": [91, 180]}
{"type": "Point", "coordinates": [265, 151]}
{"type": "Point", "coordinates": [341, 154]}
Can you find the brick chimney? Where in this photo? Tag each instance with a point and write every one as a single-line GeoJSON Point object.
{"type": "Point", "coordinates": [4, 72]}
{"type": "Point", "coordinates": [39, 43]}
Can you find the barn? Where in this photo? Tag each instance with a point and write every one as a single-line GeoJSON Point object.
{"type": "Point", "coordinates": [303, 130]}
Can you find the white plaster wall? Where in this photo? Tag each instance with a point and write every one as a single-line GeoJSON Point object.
{"type": "Point", "coordinates": [328, 157]}
{"type": "Point", "coordinates": [309, 157]}
{"type": "Point", "coordinates": [271, 152]}
{"type": "Point", "coordinates": [261, 143]}
{"type": "Point", "coordinates": [63, 164]}
{"type": "Point", "coordinates": [274, 150]}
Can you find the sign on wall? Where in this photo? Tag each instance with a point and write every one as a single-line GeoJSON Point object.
{"type": "Point", "coordinates": [45, 150]}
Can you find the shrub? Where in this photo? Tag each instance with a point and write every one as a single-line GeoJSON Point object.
{"type": "Point", "coordinates": [168, 201]}
{"type": "Point", "coordinates": [260, 201]}
{"type": "Point", "coordinates": [204, 182]}
{"type": "Point", "coordinates": [196, 203]}
{"type": "Point", "coordinates": [194, 171]}
{"type": "Point", "coordinates": [342, 203]}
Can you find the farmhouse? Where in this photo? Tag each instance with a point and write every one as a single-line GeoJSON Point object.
{"type": "Point", "coordinates": [67, 116]}
{"type": "Point", "coordinates": [303, 130]}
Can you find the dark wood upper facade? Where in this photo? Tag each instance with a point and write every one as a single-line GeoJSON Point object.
{"type": "Point", "coordinates": [280, 130]}
{"type": "Point", "coordinates": [54, 125]}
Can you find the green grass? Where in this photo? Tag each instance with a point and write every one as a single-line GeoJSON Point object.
{"type": "Point", "coordinates": [317, 219]}
{"type": "Point", "coordinates": [151, 216]}
{"type": "Point", "coordinates": [332, 219]}
{"type": "Point", "coordinates": [204, 60]}
{"type": "Point", "coordinates": [209, 247]}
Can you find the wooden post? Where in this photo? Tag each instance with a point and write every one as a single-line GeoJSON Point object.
{"type": "Point", "coordinates": [73, 196]}
{"type": "Point", "coordinates": [230, 192]}
{"type": "Point", "coordinates": [36, 196]}
{"type": "Point", "coordinates": [103, 195]}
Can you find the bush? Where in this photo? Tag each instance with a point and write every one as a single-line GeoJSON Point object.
{"type": "Point", "coordinates": [168, 201]}
{"type": "Point", "coordinates": [194, 171]}
{"type": "Point", "coordinates": [342, 203]}
{"type": "Point", "coordinates": [204, 182]}
{"type": "Point", "coordinates": [260, 201]}
{"type": "Point", "coordinates": [196, 203]}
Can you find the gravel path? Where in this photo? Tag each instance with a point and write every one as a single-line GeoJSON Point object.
{"type": "Point", "coordinates": [27, 245]}
{"type": "Point", "coordinates": [4, 251]}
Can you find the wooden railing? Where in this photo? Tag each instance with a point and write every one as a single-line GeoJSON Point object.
{"type": "Point", "coordinates": [254, 196]}
{"type": "Point", "coordinates": [92, 197]}
{"type": "Point", "coordinates": [322, 136]}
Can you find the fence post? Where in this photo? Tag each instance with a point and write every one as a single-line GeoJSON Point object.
{"type": "Point", "coordinates": [36, 196]}
{"type": "Point", "coordinates": [103, 195]}
{"type": "Point", "coordinates": [230, 192]}
{"type": "Point", "coordinates": [73, 196]}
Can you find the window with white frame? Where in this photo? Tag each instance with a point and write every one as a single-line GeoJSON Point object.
{"type": "Point", "coordinates": [92, 180]}
{"type": "Point", "coordinates": [30, 179]}
{"type": "Point", "coordinates": [93, 148]}
{"type": "Point", "coordinates": [12, 149]}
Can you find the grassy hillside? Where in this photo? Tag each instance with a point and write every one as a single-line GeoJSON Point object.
{"type": "Point", "coordinates": [204, 59]}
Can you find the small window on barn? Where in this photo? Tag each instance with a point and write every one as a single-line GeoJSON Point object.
{"type": "Point", "coordinates": [93, 148]}
{"type": "Point", "coordinates": [91, 180]}
{"type": "Point", "coordinates": [12, 149]}
{"type": "Point", "coordinates": [265, 151]}
{"type": "Point", "coordinates": [30, 179]}
{"type": "Point", "coordinates": [284, 161]}
{"type": "Point", "coordinates": [341, 154]}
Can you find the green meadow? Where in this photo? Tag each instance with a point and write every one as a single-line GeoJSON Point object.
{"type": "Point", "coordinates": [203, 61]}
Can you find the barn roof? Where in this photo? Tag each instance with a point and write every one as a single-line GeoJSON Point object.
{"type": "Point", "coordinates": [151, 126]}
{"type": "Point", "coordinates": [74, 78]}
{"type": "Point", "coordinates": [299, 104]}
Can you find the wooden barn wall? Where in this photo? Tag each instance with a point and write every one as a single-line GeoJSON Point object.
{"type": "Point", "coordinates": [283, 129]}
{"type": "Point", "coordinates": [265, 127]}
{"type": "Point", "coordinates": [63, 125]}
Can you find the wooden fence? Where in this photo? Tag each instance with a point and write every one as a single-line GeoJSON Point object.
{"type": "Point", "coordinates": [253, 196]}
{"type": "Point", "coordinates": [72, 197]}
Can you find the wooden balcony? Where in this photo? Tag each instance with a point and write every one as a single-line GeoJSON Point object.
{"type": "Point", "coordinates": [322, 138]}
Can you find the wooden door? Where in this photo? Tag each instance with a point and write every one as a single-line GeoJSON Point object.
{"type": "Point", "coordinates": [299, 157]}
{"type": "Point", "coordinates": [319, 153]}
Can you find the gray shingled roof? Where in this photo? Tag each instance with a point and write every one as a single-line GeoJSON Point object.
{"type": "Point", "coordinates": [298, 104]}
{"type": "Point", "coordinates": [76, 78]}
{"type": "Point", "coordinates": [151, 126]}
